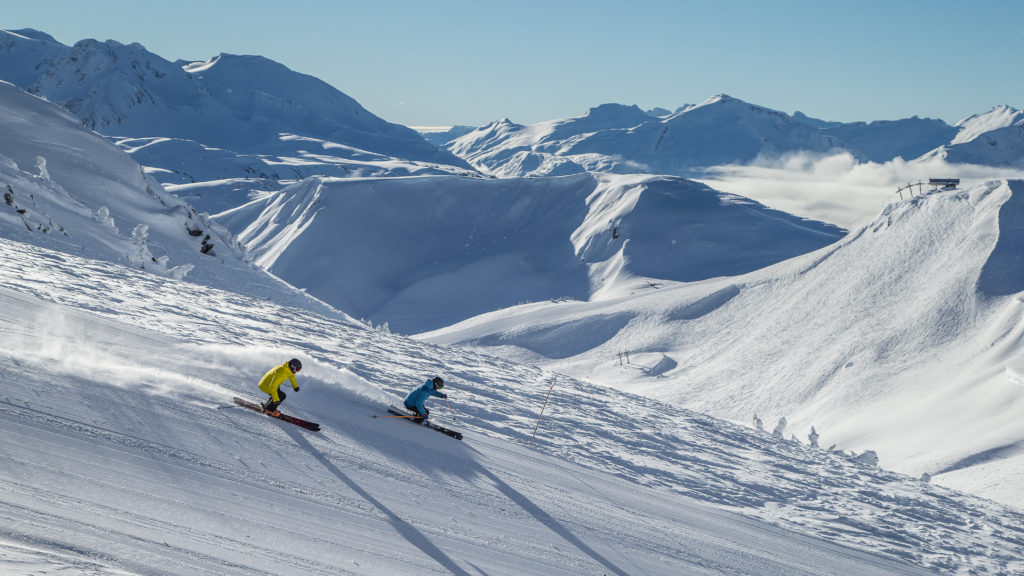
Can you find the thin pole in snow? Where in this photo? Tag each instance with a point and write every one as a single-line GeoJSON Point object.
{"type": "Point", "coordinates": [450, 409]}
{"type": "Point", "coordinates": [546, 398]}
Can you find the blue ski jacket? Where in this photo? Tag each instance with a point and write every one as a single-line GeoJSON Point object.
{"type": "Point", "coordinates": [419, 395]}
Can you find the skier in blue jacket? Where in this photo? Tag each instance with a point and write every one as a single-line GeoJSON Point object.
{"type": "Point", "coordinates": [415, 400]}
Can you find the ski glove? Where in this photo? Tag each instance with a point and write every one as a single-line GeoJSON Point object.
{"type": "Point", "coordinates": [445, 396]}
{"type": "Point", "coordinates": [296, 388]}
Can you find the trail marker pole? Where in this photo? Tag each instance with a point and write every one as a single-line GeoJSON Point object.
{"type": "Point", "coordinates": [450, 409]}
{"type": "Point", "coordinates": [546, 398]}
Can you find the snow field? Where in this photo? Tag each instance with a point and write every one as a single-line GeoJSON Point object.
{"type": "Point", "coordinates": [116, 450]}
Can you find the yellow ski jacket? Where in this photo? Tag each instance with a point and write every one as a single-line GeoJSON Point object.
{"type": "Point", "coordinates": [272, 380]}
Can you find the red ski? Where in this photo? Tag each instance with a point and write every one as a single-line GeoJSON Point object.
{"type": "Point", "coordinates": [297, 421]}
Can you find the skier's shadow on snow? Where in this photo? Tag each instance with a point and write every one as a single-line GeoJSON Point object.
{"type": "Point", "coordinates": [547, 520]}
{"type": "Point", "coordinates": [419, 540]}
{"type": "Point", "coordinates": [408, 531]}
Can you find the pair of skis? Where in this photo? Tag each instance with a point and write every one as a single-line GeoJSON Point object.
{"type": "Point", "coordinates": [313, 426]}
{"type": "Point", "coordinates": [292, 419]}
{"type": "Point", "coordinates": [409, 416]}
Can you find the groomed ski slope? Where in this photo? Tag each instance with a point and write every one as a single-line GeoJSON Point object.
{"type": "Point", "coordinates": [117, 460]}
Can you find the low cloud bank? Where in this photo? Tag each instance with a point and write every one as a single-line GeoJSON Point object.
{"type": "Point", "coordinates": [836, 188]}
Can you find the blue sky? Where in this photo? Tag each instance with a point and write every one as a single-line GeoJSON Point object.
{"type": "Point", "coordinates": [445, 62]}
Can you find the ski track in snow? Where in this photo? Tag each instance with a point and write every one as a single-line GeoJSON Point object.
{"type": "Point", "coordinates": [115, 450]}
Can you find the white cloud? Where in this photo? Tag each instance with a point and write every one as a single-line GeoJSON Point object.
{"type": "Point", "coordinates": [836, 188]}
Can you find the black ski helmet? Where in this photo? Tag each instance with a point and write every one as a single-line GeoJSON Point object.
{"type": "Point", "coordinates": [438, 383]}
{"type": "Point", "coordinates": [295, 365]}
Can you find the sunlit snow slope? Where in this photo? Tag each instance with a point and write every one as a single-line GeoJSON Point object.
{"type": "Point", "coordinates": [118, 457]}
{"type": "Point", "coordinates": [424, 252]}
{"type": "Point", "coordinates": [123, 455]}
{"type": "Point", "coordinates": [905, 338]}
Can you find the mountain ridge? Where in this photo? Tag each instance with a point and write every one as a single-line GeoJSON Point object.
{"type": "Point", "coordinates": [721, 130]}
{"type": "Point", "coordinates": [122, 455]}
{"type": "Point", "coordinates": [867, 339]}
{"type": "Point", "coordinates": [465, 246]}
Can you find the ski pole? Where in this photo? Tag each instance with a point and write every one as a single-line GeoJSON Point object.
{"type": "Point", "coordinates": [394, 416]}
{"type": "Point", "coordinates": [546, 398]}
{"type": "Point", "coordinates": [450, 409]}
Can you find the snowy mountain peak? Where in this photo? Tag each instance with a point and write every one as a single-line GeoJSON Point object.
{"type": "Point", "coordinates": [724, 102]}
{"type": "Point", "coordinates": [237, 103]}
{"type": "Point", "coordinates": [718, 99]}
{"type": "Point", "coordinates": [998, 117]}
{"type": "Point", "coordinates": [200, 66]}
{"type": "Point", "coordinates": [503, 123]}
{"type": "Point", "coordinates": [116, 78]}
{"type": "Point", "coordinates": [625, 139]}
{"type": "Point", "coordinates": [30, 34]}
{"type": "Point", "coordinates": [995, 138]}
{"type": "Point", "coordinates": [615, 115]}
{"type": "Point", "coordinates": [23, 53]}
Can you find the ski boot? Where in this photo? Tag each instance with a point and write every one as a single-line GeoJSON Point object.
{"type": "Point", "coordinates": [270, 408]}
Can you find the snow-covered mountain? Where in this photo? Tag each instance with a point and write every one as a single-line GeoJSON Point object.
{"type": "Point", "coordinates": [123, 453]}
{"type": "Point", "coordinates": [883, 140]}
{"type": "Point", "coordinates": [722, 130]}
{"type": "Point", "coordinates": [904, 337]}
{"type": "Point", "coordinates": [448, 248]}
{"type": "Point", "coordinates": [230, 123]}
{"type": "Point", "coordinates": [995, 138]}
{"type": "Point", "coordinates": [72, 190]}
{"type": "Point", "coordinates": [242, 103]}
{"type": "Point", "coordinates": [440, 137]}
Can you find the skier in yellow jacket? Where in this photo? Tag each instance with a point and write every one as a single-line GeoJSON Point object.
{"type": "Point", "coordinates": [272, 380]}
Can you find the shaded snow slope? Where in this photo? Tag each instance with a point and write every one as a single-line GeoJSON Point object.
{"type": "Point", "coordinates": [117, 460]}
{"type": "Point", "coordinates": [885, 140]}
{"type": "Point", "coordinates": [244, 118]}
{"type": "Point", "coordinates": [903, 338]}
{"type": "Point", "coordinates": [238, 102]}
{"type": "Point", "coordinates": [421, 253]}
{"type": "Point", "coordinates": [69, 188]}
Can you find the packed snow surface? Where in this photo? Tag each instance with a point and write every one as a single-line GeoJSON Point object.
{"type": "Point", "coordinates": [123, 455]}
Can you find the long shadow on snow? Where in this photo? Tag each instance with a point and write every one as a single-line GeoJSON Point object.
{"type": "Point", "coordinates": [470, 469]}
{"type": "Point", "coordinates": [547, 520]}
{"type": "Point", "coordinates": [407, 531]}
